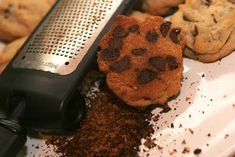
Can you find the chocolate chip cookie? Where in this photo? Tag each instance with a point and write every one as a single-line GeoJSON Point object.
{"type": "Point", "coordinates": [209, 28]}
{"type": "Point", "coordinates": [142, 60]}
{"type": "Point", "coordinates": [19, 17]}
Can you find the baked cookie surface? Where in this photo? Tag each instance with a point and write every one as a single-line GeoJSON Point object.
{"type": "Point", "coordinates": [208, 27]}
{"type": "Point", "coordinates": [142, 60]}
{"type": "Point", "coordinates": [19, 17]}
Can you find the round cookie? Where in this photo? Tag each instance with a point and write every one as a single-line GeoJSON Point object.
{"type": "Point", "coordinates": [19, 17]}
{"type": "Point", "coordinates": [160, 7]}
{"type": "Point", "coordinates": [142, 60]}
{"type": "Point", "coordinates": [208, 28]}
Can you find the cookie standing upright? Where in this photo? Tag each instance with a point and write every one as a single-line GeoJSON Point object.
{"type": "Point", "coordinates": [142, 60]}
{"type": "Point", "coordinates": [19, 17]}
{"type": "Point", "coordinates": [209, 28]}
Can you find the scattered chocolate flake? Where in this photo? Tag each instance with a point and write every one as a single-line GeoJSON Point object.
{"type": "Point", "coordinates": [195, 31]}
{"type": "Point", "coordinates": [109, 54]}
{"type": "Point", "coordinates": [186, 18]}
{"type": "Point", "coordinates": [119, 32]}
{"type": "Point", "coordinates": [226, 136]}
{"type": "Point", "coordinates": [115, 43]}
{"type": "Point", "coordinates": [165, 27]}
{"type": "Point", "coordinates": [197, 151]}
{"type": "Point", "coordinates": [172, 125]}
{"type": "Point", "coordinates": [173, 152]}
{"type": "Point", "coordinates": [207, 144]}
{"type": "Point", "coordinates": [180, 126]}
{"type": "Point", "coordinates": [156, 118]}
{"type": "Point", "coordinates": [209, 135]}
{"type": "Point", "coordinates": [121, 65]}
{"type": "Point", "coordinates": [152, 36]}
{"type": "Point", "coordinates": [172, 62]}
{"type": "Point", "coordinates": [165, 108]}
{"type": "Point", "coordinates": [111, 128]}
{"type": "Point", "coordinates": [134, 28]}
{"type": "Point", "coordinates": [189, 115]}
{"type": "Point", "coordinates": [159, 147]}
{"type": "Point", "coordinates": [183, 142]}
{"type": "Point", "coordinates": [207, 2]}
{"type": "Point", "coordinates": [146, 76]}
{"type": "Point", "coordinates": [149, 143]}
{"type": "Point", "coordinates": [203, 75]}
{"type": "Point", "coordinates": [190, 130]}
{"type": "Point", "coordinates": [158, 62]}
{"type": "Point", "coordinates": [138, 51]}
{"type": "Point", "coordinates": [186, 150]}
{"type": "Point", "coordinates": [174, 35]}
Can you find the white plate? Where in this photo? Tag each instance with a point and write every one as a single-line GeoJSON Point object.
{"type": "Point", "coordinates": [212, 110]}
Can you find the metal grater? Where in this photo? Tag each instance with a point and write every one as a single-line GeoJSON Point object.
{"type": "Point", "coordinates": [39, 88]}
{"type": "Point", "coordinates": [63, 39]}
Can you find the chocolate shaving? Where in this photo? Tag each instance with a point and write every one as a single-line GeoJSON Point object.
{"type": "Point", "coordinates": [121, 65]}
{"type": "Point", "coordinates": [174, 35]}
{"type": "Point", "coordinates": [151, 36]}
{"type": "Point", "coordinates": [172, 62]}
{"type": "Point", "coordinates": [110, 54]}
{"type": "Point", "coordinates": [138, 51]}
{"type": "Point", "coordinates": [165, 27]}
{"type": "Point", "coordinates": [158, 62]}
{"type": "Point", "coordinates": [145, 76]}
{"type": "Point", "coordinates": [119, 32]}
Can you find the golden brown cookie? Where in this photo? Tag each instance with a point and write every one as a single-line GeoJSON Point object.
{"type": "Point", "coordinates": [142, 60]}
{"type": "Point", "coordinates": [19, 17]}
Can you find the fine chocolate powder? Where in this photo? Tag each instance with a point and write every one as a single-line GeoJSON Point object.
{"type": "Point", "coordinates": [111, 128]}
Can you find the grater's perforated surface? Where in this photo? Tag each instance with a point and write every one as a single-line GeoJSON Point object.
{"type": "Point", "coordinates": [63, 38]}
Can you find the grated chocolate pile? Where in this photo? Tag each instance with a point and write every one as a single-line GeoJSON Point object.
{"type": "Point", "coordinates": [111, 128]}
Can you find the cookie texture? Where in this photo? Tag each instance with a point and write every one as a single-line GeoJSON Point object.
{"type": "Point", "coordinates": [19, 17]}
{"type": "Point", "coordinates": [208, 27]}
{"type": "Point", "coordinates": [142, 60]}
{"type": "Point", "coordinates": [160, 7]}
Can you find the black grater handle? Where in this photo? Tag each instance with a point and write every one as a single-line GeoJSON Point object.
{"type": "Point", "coordinates": [12, 138]}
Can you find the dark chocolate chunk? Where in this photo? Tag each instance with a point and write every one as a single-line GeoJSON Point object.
{"type": "Point", "coordinates": [158, 62]}
{"type": "Point", "coordinates": [145, 76]}
{"type": "Point", "coordinates": [134, 28]}
{"type": "Point", "coordinates": [115, 43]}
{"type": "Point", "coordinates": [120, 65]}
{"type": "Point", "coordinates": [152, 36]}
{"type": "Point", "coordinates": [119, 32]}
{"type": "Point", "coordinates": [174, 35]}
{"type": "Point", "coordinates": [138, 51]}
{"type": "Point", "coordinates": [195, 31]}
{"type": "Point", "coordinates": [165, 27]}
{"type": "Point", "coordinates": [207, 2]}
{"type": "Point", "coordinates": [197, 151]}
{"type": "Point", "coordinates": [110, 54]}
{"type": "Point", "coordinates": [172, 62]}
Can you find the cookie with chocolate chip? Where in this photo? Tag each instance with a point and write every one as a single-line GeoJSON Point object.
{"type": "Point", "coordinates": [19, 17]}
{"type": "Point", "coordinates": [208, 27]}
{"type": "Point", "coordinates": [142, 60]}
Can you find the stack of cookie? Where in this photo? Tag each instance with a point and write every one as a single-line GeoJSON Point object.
{"type": "Point", "coordinates": [18, 19]}
{"type": "Point", "coordinates": [209, 28]}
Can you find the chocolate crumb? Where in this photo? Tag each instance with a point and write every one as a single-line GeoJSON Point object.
{"type": "Point", "coordinates": [226, 136]}
{"type": "Point", "coordinates": [197, 151]}
{"type": "Point", "coordinates": [134, 28]}
{"type": "Point", "coordinates": [186, 150]}
{"type": "Point", "coordinates": [119, 32]}
{"type": "Point", "coordinates": [122, 65]}
{"type": "Point", "coordinates": [146, 76]}
{"type": "Point", "coordinates": [174, 35]}
{"type": "Point", "coordinates": [149, 143]}
{"type": "Point", "coordinates": [183, 142]}
{"type": "Point", "coordinates": [165, 27]}
{"type": "Point", "coordinates": [172, 125]}
{"type": "Point", "coordinates": [158, 62]}
{"type": "Point", "coordinates": [138, 51]}
{"type": "Point", "coordinates": [209, 135]}
{"type": "Point", "coordinates": [151, 36]}
{"type": "Point", "coordinates": [109, 54]}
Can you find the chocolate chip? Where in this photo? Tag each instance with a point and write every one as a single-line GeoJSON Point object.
{"type": "Point", "coordinates": [118, 32]}
{"type": "Point", "coordinates": [197, 151]}
{"type": "Point", "coordinates": [110, 54]}
{"type": "Point", "coordinates": [158, 62]}
{"type": "Point", "coordinates": [207, 2]}
{"type": "Point", "coordinates": [186, 18]}
{"type": "Point", "coordinates": [145, 76]}
{"type": "Point", "coordinates": [7, 11]}
{"type": "Point", "coordinates": [172, 62]}
{"type": "Point", "coordinates": [152, 36]}
{"type": "Point", "coordinates": [138, 51]}
{"type": "Point", "coordinates": [174, 35]}
{"type": "Point", "coordinates": [134, 28]}
{"type": "Point", "coordinates": [195, 31]}
{"type": "Point", "coordinates": [233, 1]}
{"type": "Point", "coordinates": [115, 43]}
{"type": "Point", "coordinates": [121, 65]}
{"type": "Point", "coordinates": [164, 28]}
